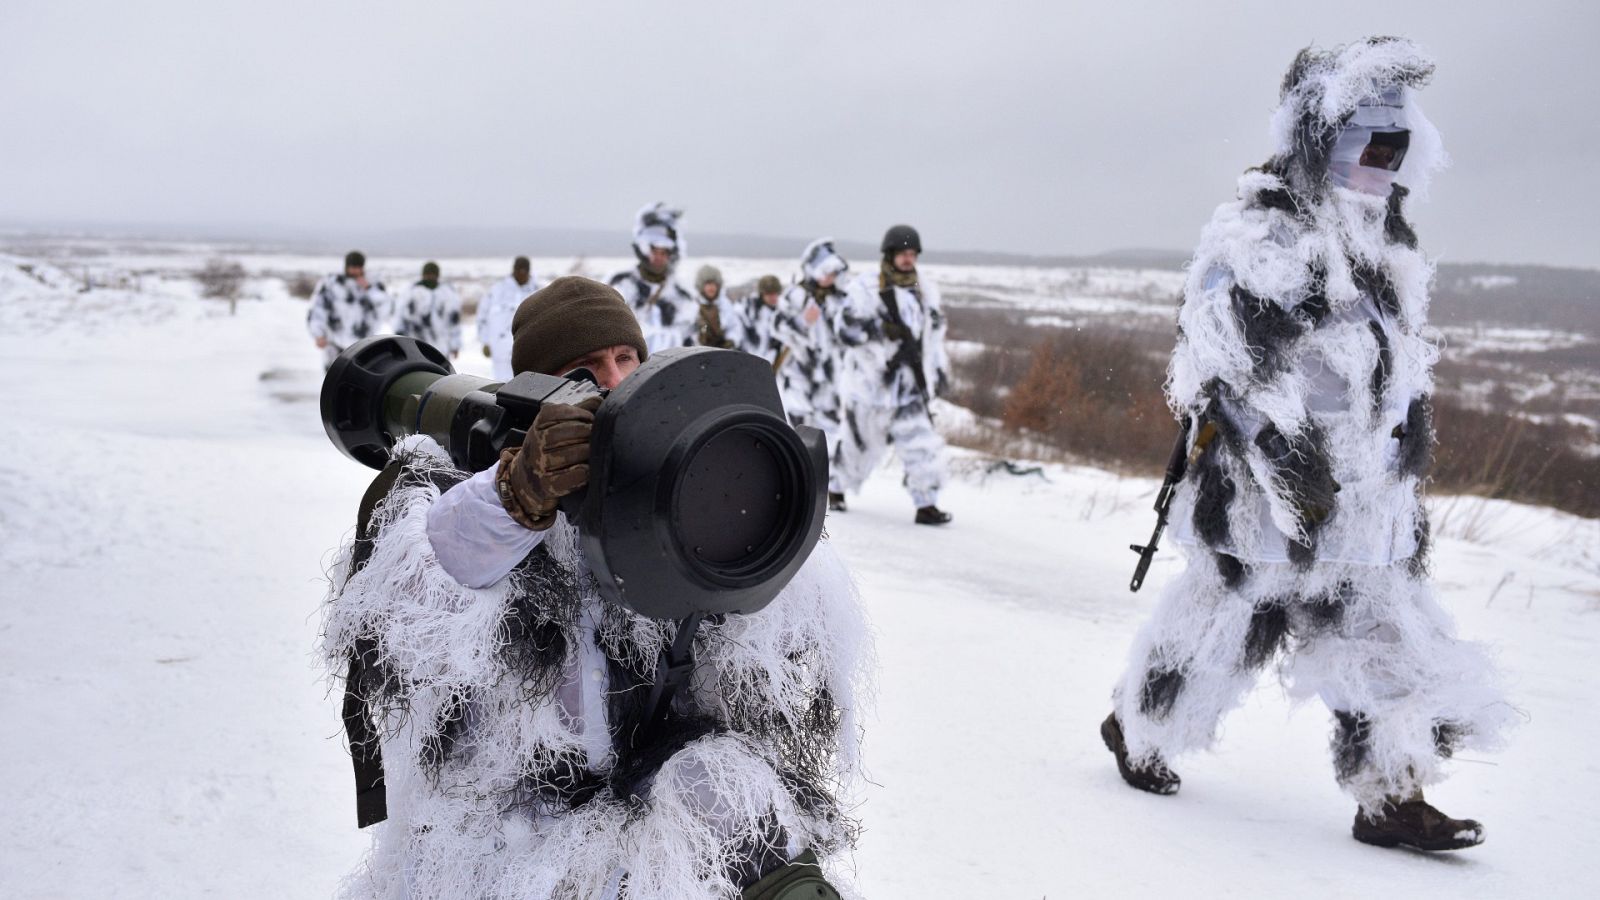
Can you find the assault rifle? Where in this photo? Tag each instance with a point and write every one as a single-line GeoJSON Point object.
{"type": "Point", "coordinates": [1177, 466]}
{"type": "Point", "coordinates": [910, 350]}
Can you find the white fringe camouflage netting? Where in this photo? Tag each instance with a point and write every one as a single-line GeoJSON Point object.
{"type": "Point", "coordinates": [500, 783]}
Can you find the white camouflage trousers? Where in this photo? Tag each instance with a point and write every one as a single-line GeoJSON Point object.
{"type": "Point", "coordinates": [899, 417]}
{"type": "Point", "coordinates": [1369, 640]}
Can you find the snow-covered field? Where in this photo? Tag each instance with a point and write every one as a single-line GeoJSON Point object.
{"type": "Point", "coordinates": [1050, 291]}
{"type": "Point", "coordinates": [168, 502]}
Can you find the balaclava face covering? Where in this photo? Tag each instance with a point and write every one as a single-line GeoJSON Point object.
{"type": "Point", "coordinates": [1372, 146]}
{"type": "Point", "coordinates": [1335, 102]}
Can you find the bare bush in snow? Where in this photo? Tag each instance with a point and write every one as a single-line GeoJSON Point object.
{"type": "Point", "coordinates": [301, 285]}
{"type": "Point", "coordinates": [222, 279]}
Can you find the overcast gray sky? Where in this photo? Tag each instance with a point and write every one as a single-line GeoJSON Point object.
{"type": "Point", "coordinates": [1054, 127]}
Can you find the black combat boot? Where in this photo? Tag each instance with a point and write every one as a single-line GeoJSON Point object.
{"type": "Point", "coordinates": [932, 515]}
{"type": "Point", "coordinates": [836, 502]}
{"type": "Point", "coordinates": [1154, 777]}
{"type": "Point", "coordinates": [1414, 823]}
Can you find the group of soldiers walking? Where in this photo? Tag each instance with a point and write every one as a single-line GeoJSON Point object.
{"type": "Point", "coordinates": [348, 307]}
{"type": "Point", "coordinates": [859, 357]}
{"type": "Point", "coordinates": [1302, 374]}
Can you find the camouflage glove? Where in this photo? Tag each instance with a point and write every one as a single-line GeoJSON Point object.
{"type": "Point", "coordinates": [552, 462]}
{"type": "Point", "coordinates": [486, 351]}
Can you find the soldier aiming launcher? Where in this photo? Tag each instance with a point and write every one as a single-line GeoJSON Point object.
{"type": "Point", "coordinates": [702, 500]}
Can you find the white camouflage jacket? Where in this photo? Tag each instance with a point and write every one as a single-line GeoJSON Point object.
{"type": "Point", "coordinates": [666, 311]}
{"type": "Point", "coordinates": [343, 312]}
{"type": "Point", "coordinates": [432, 315]}
{"type": "Point", "coordinates": [872, 359]}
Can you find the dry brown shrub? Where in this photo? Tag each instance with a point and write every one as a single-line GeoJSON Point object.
{"type": "Point", "coordinates": [983, 381]}
{"type": "Point", "coordinates": [1499, 454]}
{"type": "Point", "coordinates": [301, 284]}
{"type": "Point", "coordinates": [221, 278]}
{"type": "Point", "coordinates": [1097, 397]}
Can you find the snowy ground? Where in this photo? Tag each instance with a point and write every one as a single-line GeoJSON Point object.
{"type": "Point", "coordinates": [168, 501]}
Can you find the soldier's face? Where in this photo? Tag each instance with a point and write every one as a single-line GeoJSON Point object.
{"type": "Point", "coordinates": [905, 260]}
{"type": "Point", "coordinates": [827, 280]}
{"type": "Point", "coordinates": [659, 257]}
{"type": "Point", "coordinates": [609, 364]}
{"type": "Point", "coordinates": [520, 274]}
{"type": "Point", "coordinates": [710, 290]}
{"type": "Point", "coordinates": [356, 271]}
{"type": "Point", "coordinates": [770, 299]}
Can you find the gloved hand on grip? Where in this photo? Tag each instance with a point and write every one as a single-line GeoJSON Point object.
{"type": "Point", "coordinates": [895, 331]}
{"type": "Point", "coordinates": [552, 462]}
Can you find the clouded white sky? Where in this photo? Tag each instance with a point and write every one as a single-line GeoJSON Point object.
{"type": "Point", "coordinates": [1048, 128]}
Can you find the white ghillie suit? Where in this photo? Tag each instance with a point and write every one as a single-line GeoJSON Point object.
{"type": "Point", "coordinates": [667, 313]}
{"type": "Point", "coordinates": [884, 401]}
{"type": "Point", "coordinates": [1302, 338]}
{"type": "Point", "coordinates": [495, 312]}
{"type": "Point", "coordinates": [344, 312]}
{"type": "Point", "coordinates": [504, 709]}
{"type": "Point", "coordinates": [432, 315]}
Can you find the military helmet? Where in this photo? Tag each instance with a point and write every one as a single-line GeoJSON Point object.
{"type": "Point", "coordinates": [900, 237]}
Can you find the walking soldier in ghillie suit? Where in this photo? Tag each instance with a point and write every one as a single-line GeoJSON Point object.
{"type": "Point", "coordinates": [508, 697]}
{"type": "Point", "coordinates": [719, 322]}
{"type": "Point", "coordinates": [431, 312]}
{"type": "Point", "coordinates": [891, 336]}
{"type": "Point", "coordinates": [1303, 372]}
{"type": "Point", "coordinates": [665, 310]}
{"type": "Point", "coordinates": [808, 371]}
{"type": "Point", "coordinates": [346, 308]}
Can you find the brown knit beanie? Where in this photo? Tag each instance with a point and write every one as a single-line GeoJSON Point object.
{"type": "Point", "coordinates": [569, 318]}
{"type": "Point", "coordinates": [769, 284]}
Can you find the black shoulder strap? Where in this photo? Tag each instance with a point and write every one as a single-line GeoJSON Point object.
{"type": "Point", "coordinates": [366, 753]}
{"type": "Point", "coordinates": [892, 304]}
